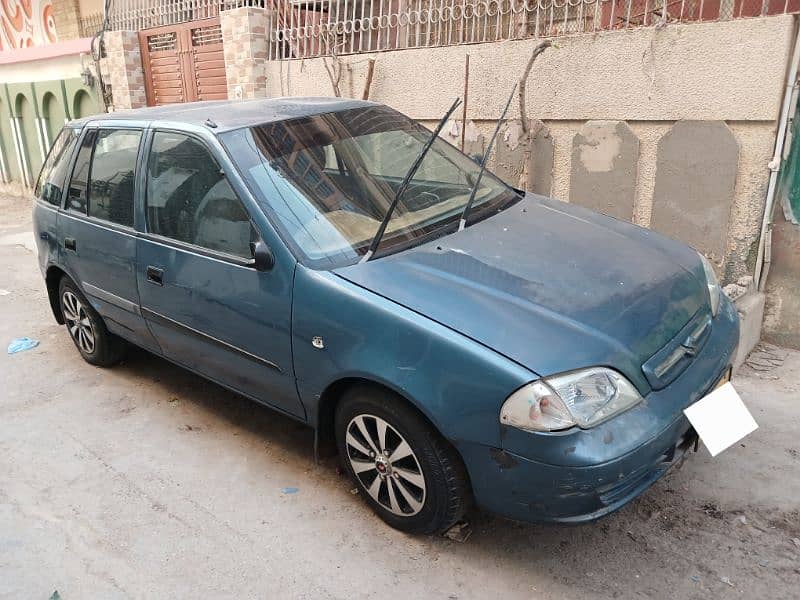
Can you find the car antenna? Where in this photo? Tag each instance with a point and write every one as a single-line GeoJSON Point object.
{"type": "Point", "coordinates": [404, 184]}
{"type": "Point", "coordinates": [473, 191]}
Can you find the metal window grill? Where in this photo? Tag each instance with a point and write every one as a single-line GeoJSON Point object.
{"type": "Point", "coordinates": [160, 42]}
{"type": "Point", "coordinates": [333, 27]}
{"type": "Point", "coordinates": [204, 36]}
{"type": "Point", "coordinates": [308, 28]}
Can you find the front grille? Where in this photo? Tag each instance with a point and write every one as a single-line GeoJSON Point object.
{"type": "Point", "coordinates": [664, 366]}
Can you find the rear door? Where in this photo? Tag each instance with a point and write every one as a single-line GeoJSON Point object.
{"type": "Point", "coordinates": [209, 309]}
{"type": "Point", "coordinates": [96, 234]}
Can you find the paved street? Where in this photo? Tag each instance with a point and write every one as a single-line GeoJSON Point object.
{"type": "Point", "coordinates": [146, 481]}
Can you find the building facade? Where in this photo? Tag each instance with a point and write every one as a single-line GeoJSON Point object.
{"type": "Point", "coordinates": [46, 79]}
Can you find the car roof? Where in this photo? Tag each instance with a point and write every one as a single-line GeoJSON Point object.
{"type": "Point", "coordinates": [230, 114]}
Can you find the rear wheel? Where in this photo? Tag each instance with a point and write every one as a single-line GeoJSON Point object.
{"type": "Point", "coordinates": [86, 327]}
{"type": "Point", "coordinates": [410, 476]}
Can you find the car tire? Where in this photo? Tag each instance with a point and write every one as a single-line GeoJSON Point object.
{"type": "Point", "coordinates": [421, 487]}
{"type": "Point", "coordinates": [86, 327]}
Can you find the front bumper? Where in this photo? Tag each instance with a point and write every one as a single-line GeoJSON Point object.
{"type": "Point", "coordinates": [527, 490]}
{"type": "Point", "coordinates": [581, 475]}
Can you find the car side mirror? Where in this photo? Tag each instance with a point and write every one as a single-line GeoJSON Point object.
{"type": "Point", "coordinates": [263, 259]}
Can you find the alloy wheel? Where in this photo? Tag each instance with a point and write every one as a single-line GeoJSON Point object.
{"type": "Point", "coordinates": [78, 322]}
{"type": "Point", "coordinates": [385, 465]}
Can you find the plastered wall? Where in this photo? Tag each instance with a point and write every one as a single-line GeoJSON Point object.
{"type": "Point", "coordinates": [635, 84]}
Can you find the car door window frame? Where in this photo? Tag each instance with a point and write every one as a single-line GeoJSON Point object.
{"type": "Point", "coordinates": [69, 160]}
{"type": "Point", "coordinates": [97, 127]}
{"type": "Point", "coordinates": [179, 244]}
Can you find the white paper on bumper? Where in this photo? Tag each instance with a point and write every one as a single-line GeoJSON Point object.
{"type": "Point", "coordinates": [720, 419]}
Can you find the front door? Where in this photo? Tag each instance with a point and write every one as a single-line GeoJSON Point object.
{"type": "Point", "coordinates": [96, 237]}
{"type": "Point", "coordinates": [184, 63]}
{"type": "Point", "coordinates": [209, 309]}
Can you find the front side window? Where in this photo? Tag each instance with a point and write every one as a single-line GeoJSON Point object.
{"type": "Point", "coordinates": [328, 180]}
{"type": "Point", "coordinates": [112, 175]}
{"type": "Point", "coordinates": [51, 179]}
{"type": "Point", "coordinates": [190, 200]}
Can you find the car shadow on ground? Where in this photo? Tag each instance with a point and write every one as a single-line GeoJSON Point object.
{"type": "Point", "coordinates": [291, 436]}
{"type": "Point", "coordinates": [658, 544]}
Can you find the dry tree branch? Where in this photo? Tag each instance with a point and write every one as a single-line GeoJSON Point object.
{"type": "Point", "coordinates": [334, 74]}
{"type": "Point", "coordinates": [334, 69]}
{"type": "Point", "coordinates": [368, 82]}
{"type": "Point", "coordinates": [523, 81]}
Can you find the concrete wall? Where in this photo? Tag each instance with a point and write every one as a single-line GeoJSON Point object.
{"type": "Point", "coordinates": [647, 80]}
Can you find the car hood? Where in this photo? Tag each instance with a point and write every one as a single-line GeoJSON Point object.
{"type": "Point", "coordinates": [550, 285]}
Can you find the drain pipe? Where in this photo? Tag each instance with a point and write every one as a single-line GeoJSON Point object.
{"type": "Point", "coordinates": [789, 98]}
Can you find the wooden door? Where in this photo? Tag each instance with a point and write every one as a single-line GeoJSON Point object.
{"type": "Point", "coordinates": [183, 63]}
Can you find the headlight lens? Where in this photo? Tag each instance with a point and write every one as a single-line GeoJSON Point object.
{"type": "Point", "coordinates": [714, 290]}
{"type": "Point", "coordinates": [584, 398]}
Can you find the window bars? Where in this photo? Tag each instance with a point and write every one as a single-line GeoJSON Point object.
{"type": "Point", "coordinates": [302, 29]}
{"type": "Point", "coordinates": [308, 28]}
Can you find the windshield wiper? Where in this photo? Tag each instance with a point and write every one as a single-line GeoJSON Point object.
{"type": "Point", "coordinates": [373, 246]}
{"type": "Point", "coordinates": [473, 191]}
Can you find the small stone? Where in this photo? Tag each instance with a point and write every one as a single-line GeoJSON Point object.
{"type": "Point", "coordinates": [796, 542]}
{"type": "Point", "coordinates": [726, 581]}
{"type": "Point", "coordinates": [459, 532]}
{"type": "Point", "coordinates": [742, 519]}
{"type": "Point", "coordinates": [763, 562]}
{"type": "Point", "coordinates": [696, 578]}
{"type": "Point", "coordinates": [354, 491]}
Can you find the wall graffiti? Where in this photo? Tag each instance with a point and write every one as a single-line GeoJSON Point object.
{"type": "Point", "coordinates": [25, 23]}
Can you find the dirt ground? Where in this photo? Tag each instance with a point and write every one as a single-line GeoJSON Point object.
{"type": "Point", "coordinates": [146, 481]}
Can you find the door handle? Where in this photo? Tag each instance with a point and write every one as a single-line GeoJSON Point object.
{"type": "Point", "coordinates": [155, 275]}
{"type": "Point", "coordinates": [69, 244]}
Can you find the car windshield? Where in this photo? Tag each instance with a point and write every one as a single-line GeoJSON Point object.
{"type": "Point", "coordinates": [329, 179]}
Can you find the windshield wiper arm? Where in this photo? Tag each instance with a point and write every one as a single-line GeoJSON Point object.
{"type": "Point", "coordinates": [373, 246]}
{"type": "Point", "coordinates": [473, 191]}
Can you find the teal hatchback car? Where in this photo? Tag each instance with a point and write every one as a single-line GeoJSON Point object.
{"type": "Point", "coordinates": [459, 341]}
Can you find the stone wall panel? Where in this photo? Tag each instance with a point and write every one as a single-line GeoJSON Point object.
{"type": "Point", "coordinates": [696, 171]}
{"type": "Point", "coordinates": [605, 156]}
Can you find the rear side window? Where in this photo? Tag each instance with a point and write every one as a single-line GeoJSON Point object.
{"type": "Point", "coordinates": [102, 182]}
{"type": "Point", "coordinates": [77, 193]}
{"type": "Point", "coordinates": [51, 179]}
{"type": "Point", "coordinates": [190, 200]}
{"type": "Point", "coordinates": [112, 175]}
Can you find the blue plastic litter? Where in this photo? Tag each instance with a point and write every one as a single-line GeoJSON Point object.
{"type": "Point", "coordinates": [290, 490]}
{"type": "Point", "coordinates": [21, 344]}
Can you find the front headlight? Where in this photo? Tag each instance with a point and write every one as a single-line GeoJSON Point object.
{"type": "Point", "coordinates": [714, 290]}
{"type": "Point", "coordinates": [584, 398]}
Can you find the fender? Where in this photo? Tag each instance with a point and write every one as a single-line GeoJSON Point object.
{"type": "Point", "coordinates": [457, 383]}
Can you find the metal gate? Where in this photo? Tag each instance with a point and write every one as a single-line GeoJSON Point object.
{"type": "Point", "coordinates": [184, 63]}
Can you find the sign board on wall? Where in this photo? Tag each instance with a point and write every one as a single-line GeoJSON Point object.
{"type": "Point", "coordinates": [25, 23]}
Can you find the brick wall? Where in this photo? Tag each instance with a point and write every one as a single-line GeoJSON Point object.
{"type": "Point", "coordinates": [244, 35]}
{"type": "Point", "coordinates": [122, 69]}
{"type": "Point", "coordinates": [66, 14]}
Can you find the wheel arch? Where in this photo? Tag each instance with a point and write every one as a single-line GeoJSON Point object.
{"type": "Point", "coordinates": [53, 279]}
{"type": "Point", "coordinates": [331, 396]}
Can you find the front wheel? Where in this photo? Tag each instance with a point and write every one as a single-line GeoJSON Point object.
{"type": "Point", "coordinates": [410, 476]}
